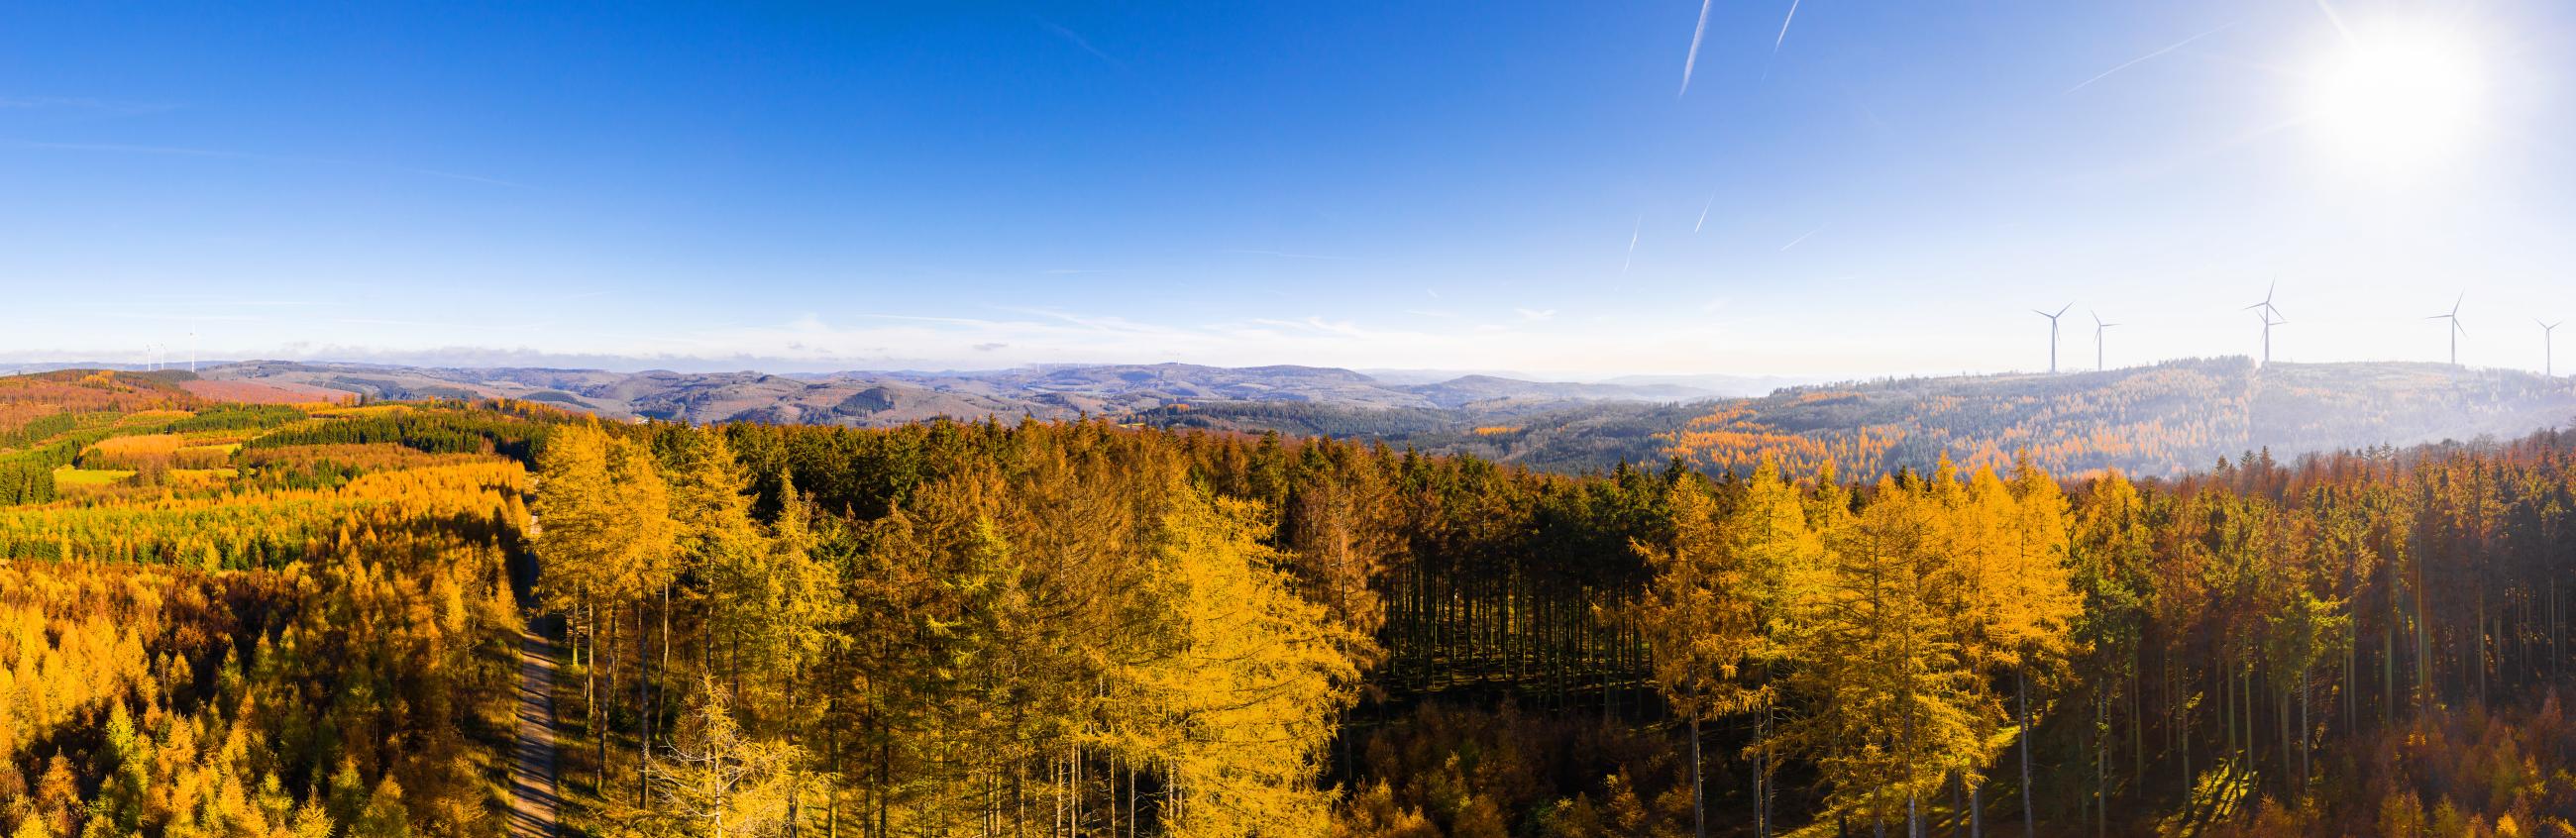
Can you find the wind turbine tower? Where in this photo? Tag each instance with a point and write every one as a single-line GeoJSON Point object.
{"type": "Point", "coordinates": [2548, 352]}
{"type": "Point", "coordinates": [2271, 317]}
{"type": "Point", "coordinates": [2098, 328]}
{"type": "Point", "coordinates": [2456, 329]}
{"type": "Point", "coordinates": [2052, 334]}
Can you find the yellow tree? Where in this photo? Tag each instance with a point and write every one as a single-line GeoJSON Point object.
{"type": "Point", "coordinates": [720, 782]}
{"type": "Point", "coordinates": [2018, 603]}
{"type": "Point", "coordinates": [2035, 618]}
{"type": "Point", "coordinates": [1718, 590]}
{"type": "Point", "coordinates": [1252, 680]}
{"type": "Point", "coordinates": [604, 532]}
{"type": "Point", "coordinates": [1897, 703]}
{"type": "Point", "coordinates": [1698, 621]}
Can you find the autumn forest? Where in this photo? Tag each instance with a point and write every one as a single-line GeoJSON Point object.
{"type": "Point", "coordinates": [442, 618]}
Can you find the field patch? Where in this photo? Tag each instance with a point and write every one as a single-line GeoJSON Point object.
{"type": "Point", "coordinates": [68, 477]}
{"type": "Point", "coordinates": [262, 392]}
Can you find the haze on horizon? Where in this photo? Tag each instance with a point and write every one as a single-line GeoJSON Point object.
{"type": "Point", "coordinates": [1850, 190]}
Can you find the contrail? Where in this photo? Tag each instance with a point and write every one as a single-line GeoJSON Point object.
{"type": "Point", "coordinates": [1784, 27]}
{"type": "Point", "coordinates": [1077, 40]}
{"type": "Point", "coordinates": [1794, 242]}
{"type": "Point", "coordinates": [1776, 40]}
{"type": "Point", "coordinates": [1703, 214]}
{"type": "Point", "coordinates": [2337, 19]}
{"type": "Point", "coordinates": [2144, 58]}
{"type": "Point", "coordinates": [1693, 58]}
{"type": "Point", "coordinates": [1632, 244]}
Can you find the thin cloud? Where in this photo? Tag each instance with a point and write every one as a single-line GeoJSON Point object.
{"type": "Point", "coordinates": [1776, 40]}
{"type": "Point", "coordinates": [1692, 60]}
{"type": "Point", "coordinates": [1286, 255]}
{"type": "Point", "coordinates": [100, 107]}
{"type": "Point", "coordinates": [185, 318]}
{"type": "Point", "coordinates": [1535, 315]}
{"type": "Point", "coordinates": [1794, 242]}
{"type": "Point", "coordinates": [1632, 244]}
{"type": "Point", "coordinates": [1313, 324]}
{"type": "Point", "coordinates": [2147, 57]}
{"type": "Point", "coordinates": [1783, 37]}
{"type": "Point", "coordinates": [2336, 18]}
{"type": "Point", "coordinates": [1076, 39]}
{"type": "Point", "coordinates": [218, 154]}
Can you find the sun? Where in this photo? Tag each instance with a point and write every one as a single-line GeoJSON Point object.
{"type": "Point", "coordinates": [2398, 96]}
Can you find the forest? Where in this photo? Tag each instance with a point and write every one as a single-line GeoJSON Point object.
{"type": "Point", "coordinates": [309, 620]}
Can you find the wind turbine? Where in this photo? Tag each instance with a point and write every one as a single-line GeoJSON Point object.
{"type": "Point", "coordinates": [2548, 353]}
{"type": "Point", "coordinates": [2456, 329]}
{"type": "Point", "coordinates": [2271, 317]}
{"type": "Point", "coordinates": [192, 353]}
{"type": "Point", "coordinates": [2098, 327]}
{"type": "Point", "coordinates": [2052, 334]}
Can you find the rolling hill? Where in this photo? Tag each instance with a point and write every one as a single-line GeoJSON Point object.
{"type": "Point", "coordinates": [2156, 420]}
{"type": "Point", "coordinates": [875, 399]}
{"type": "Point", "coordinates": [2159, 420]}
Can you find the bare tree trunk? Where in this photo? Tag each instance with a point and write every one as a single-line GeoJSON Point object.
{"type": "Point", "coordinates": [599, 715]}
{"type": "Point", "coordinates": [1976, 810]}
{"type": "Point", "coordinates": [2029, 823]}
{"type": "Point", "coordinates": [643, 707]}
{"type": "Point", "coordinates": [2101, 765]}
{"type": "Point", "coordinates": [1699, 808]}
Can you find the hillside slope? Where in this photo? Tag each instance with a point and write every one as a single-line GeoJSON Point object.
{"type": "Point", "coordinates": [879, 399]}
{"type": "Point", "coordinates": [2159, 420]}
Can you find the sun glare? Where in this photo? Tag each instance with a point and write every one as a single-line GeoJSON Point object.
{"type": "Point", "coordinates": [2398, 96]}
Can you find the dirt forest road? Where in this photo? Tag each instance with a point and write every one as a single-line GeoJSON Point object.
{"type": "Point", "coordinates": [533, 789]}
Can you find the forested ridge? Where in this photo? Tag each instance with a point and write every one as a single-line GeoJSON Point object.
{"type": "Point", "coordinates": [302, 621]}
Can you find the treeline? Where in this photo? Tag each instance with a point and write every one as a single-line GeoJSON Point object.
{"type": "Point", "coordinates": [450, 428]}
{"type": "Point", "coordinates": [215, 530]}
{"type": "Point", "coordinates": [1061, 633]}
{"type": "Point", "coordinates": [27, 476]}
{"type": "Point", "coordinates": [363, 691]}
{"type": "Point", "coordinates": [1947, 650]}
{"type": "Point", "coordinates": [2169, 420]}
{"type": "Point", "coordinates": [40, 397]}
{"type": "Point", "coordinates": [1082, 629]}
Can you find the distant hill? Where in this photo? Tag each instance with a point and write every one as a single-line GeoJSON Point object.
{"type": "Point", "coordinates": [2160, 420]}
{"type": "Point", "coordinates": [871, 398]}
{"type": "Point", "coordinates": [2157, 420]}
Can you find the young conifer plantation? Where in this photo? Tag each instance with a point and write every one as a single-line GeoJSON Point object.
{"type": "Point", "coordinates": [310, 621]}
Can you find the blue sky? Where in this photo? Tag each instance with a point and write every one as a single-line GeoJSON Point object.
{"type": "Point", "coordinates": [1886, 187]}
